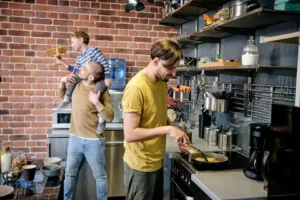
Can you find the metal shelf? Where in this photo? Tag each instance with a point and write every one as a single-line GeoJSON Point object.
{"type": "Point", "coordinates": [290, 38]}
{"type": "Point", "coordinates": [197, 69]}
{"type": "Point", "coordinates": [191, 10]}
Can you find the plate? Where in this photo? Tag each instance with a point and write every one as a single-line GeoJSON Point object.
{"type": "Point", "coordinates": [5, 190]}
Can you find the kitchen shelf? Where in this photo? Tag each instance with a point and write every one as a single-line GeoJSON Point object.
{"type": "Point", "coordinates": [290, 38]}
{"type": "Point", "coordinates": [246, 24]}
{"type": "Point", "coordinates": [191, 10]}
{"type": "Point", "coordinates": [198, 69]}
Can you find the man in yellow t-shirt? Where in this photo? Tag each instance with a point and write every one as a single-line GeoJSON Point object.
{"type": "Point", "coordinates": [146, 123]}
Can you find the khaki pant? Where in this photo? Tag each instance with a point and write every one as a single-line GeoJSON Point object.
{"type": "Point", "coordinates": [143, 185]}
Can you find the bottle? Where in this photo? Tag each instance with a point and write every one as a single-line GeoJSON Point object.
{"type": "Point", "coordinates": [118, 73]}
{"type": "Point", "coordinates": [250, 55]}
{"type": "Point", "coordinates": [6, 159]}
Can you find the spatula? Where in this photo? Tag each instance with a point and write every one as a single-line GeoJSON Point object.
{"type": "Point", "coordinates": [192, 151]}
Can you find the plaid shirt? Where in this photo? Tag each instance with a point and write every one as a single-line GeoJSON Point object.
{"type": "Point", "coordinates": [91, 54]}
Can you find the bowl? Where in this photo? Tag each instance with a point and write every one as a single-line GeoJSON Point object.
{"type": "Point", "coordinates": [51, 170]}
{"type": "Point", "coordinates": [12, 176]}
{"type": "Point", "coordinates": [52, 161]}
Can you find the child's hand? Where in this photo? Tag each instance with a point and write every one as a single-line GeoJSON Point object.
{"type": "Point", "coordinates": [107, 82]}
{"type": "Point", "coordinates": [64, 79]}
{"type": "Point", "coordinates": [94, 98]}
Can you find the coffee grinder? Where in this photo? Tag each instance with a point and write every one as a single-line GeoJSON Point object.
{"type": "Point", "coordinates": [258, 134]}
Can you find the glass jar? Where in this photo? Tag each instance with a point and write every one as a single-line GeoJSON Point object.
{"type": "Point", "coordinates": [5, 159]}
{"type": "Point", "coordinates": [250, 54]}
{"type": "Point", "coordinates": [19, 160]}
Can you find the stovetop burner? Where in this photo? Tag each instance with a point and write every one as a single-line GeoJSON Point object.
{"type": "Point", "coordinates": [235, 161]}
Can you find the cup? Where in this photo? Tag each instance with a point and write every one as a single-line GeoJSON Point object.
{"type": "Point", "coordinates": [29, 172]}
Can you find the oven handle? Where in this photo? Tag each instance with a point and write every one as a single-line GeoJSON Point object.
{"type": "Point", "coordinates": [186, 197]}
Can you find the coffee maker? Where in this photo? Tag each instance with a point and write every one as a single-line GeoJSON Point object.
{"type": "Point", "coordinates": [258, 134]}
{"type": "Point", "coordinates": [281, 167]}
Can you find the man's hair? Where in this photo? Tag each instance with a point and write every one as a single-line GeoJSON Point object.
{"type": "Point", "coordinates": [81, 34]}
{"type": "Point", "coordinates": [95, 69]}
{"type": "Point", "coordinates": [168, 50]}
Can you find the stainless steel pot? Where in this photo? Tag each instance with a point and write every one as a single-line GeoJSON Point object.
{"type": "Point", "coordinates": [213, 104]}
{"type": "Point", "coordinates": [223, 106]}
{"type": "Point", "coordinates": [241, 7]}
{"type": "Point", "coordinates": [207, 103]}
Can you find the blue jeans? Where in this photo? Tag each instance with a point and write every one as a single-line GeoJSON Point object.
{"type": "Point", "coordinates": [94, 152]}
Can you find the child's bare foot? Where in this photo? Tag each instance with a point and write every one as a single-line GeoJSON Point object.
{"type": "Point", "coordinates": [63, 105]}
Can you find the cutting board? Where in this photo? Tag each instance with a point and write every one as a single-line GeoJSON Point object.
{"type": "Point", "coordinates": [219, 64]}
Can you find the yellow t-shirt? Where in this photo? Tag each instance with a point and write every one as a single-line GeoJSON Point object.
{"type": "Point", "coordinates": [148, 98]}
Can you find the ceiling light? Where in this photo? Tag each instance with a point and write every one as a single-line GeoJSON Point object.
{"type": "Point", "coordinates": [131, 4]}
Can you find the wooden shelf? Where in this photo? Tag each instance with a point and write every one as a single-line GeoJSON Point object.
{"type": "Point", "coordinates": [245, 24]}
{"type": "Point", "coordinates": [290, 38]}
{"type": "Point", "coordinates": [191, 10]}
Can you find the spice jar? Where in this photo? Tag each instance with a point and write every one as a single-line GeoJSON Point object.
{"type": "Point", "coordinates": [5, 159]}
{"type": "Point", "coordinates": [19, 160]}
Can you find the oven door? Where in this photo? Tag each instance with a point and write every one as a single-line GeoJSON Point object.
{"type": "Point", "coordinates": [180, 190]}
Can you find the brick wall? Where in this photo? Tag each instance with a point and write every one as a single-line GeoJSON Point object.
{"type": "Point", "coordinates": [29, 79]}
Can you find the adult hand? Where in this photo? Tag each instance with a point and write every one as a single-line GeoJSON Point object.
{"type": "Point", "coordinates": [71, 79]}
{"type": "Point", "coordinates": [107, 82]}
{"type": "Point", "coordinates": [183, 148]}
{"type": "Point", "coordinates": [179, 136]}
{"type": "Point", "coordinates": [94, 98]}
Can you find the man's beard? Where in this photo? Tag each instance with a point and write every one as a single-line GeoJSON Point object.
{"type": "Point", "coordinates": [161, 79]}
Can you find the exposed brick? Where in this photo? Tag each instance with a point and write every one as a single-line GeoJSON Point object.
{"type": "Point", "coordinates": [142, 39]}
{"type": "Point", "coordinates": [104, 37]}
{"type": "Point", "coordinates": [41, 21]}
{"type": "Point", "coordinates": [40, 34]}
{"type": "Point", "coordinates": [38, 149]}
{"type": "Point", "coordinates": [107, 12]}
{"type": "Point", "coordinates": [29, 53]}
{"type": "Point", "coordinates": [125, 26]}
{"type": "Point", "coordinates": [19, 46]}
{"type": "Point", "coordinates": [19, 137]}
{"type": "Point", "coordinates": [19, 6]}
{"type": "Point", "coordinates": [19, 20]}
{"type": "Point", "coordinates": [19, 33]}
{"type": "Point", "coordinates": [63, 22]}
{"type": "Point", "coordinates": [87, 11]}
{"type": "Point", "coordinates": [3, 32]}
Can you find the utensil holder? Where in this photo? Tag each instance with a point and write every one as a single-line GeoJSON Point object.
{"type": "Point", "coordinates": [213, 137]}
{"type": "Point", "coordinates": [225, 141]}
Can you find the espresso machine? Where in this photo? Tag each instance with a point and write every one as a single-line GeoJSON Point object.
{"type": "Point", "coordinates": [258, 134]}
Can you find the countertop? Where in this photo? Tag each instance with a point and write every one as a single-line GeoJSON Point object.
{"type": "Point", "coordinates": [228, 185]}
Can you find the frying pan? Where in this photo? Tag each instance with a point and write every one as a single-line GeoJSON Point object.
{"type": "Point", "coordinates": [223, 161]}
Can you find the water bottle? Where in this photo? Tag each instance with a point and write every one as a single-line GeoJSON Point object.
{"type": "Point", "coordinates": [118, 73]}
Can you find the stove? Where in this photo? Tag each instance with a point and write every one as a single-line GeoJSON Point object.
{"type": "Point", "coordinates": [235, 161]}
{"type": "Point", "coordinates": [182, 187]}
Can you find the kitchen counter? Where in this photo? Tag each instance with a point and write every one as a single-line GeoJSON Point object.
{"type": "Point", "coordinates": [228, 185]}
